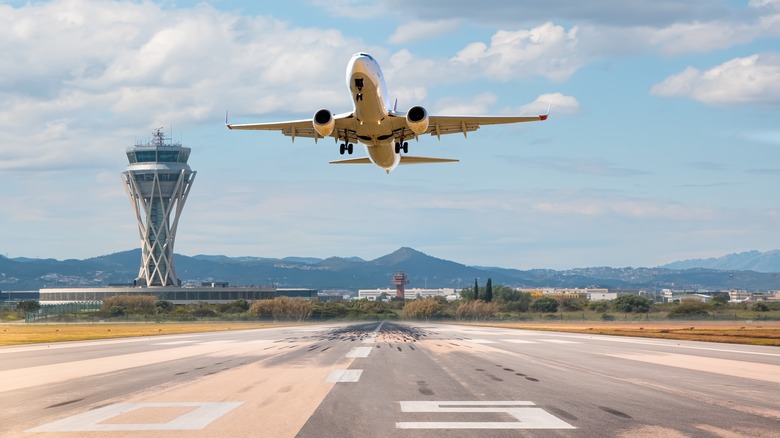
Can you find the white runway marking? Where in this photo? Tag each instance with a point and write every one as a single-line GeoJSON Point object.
{"type": "Point", "coordinates": [341, 376]}
{"type": "Point", "coordinates": [528, 417]}
{"type": "Point", "coordinates": [92, 421]}
{"type": "Point", "coordinates": [174, 343]}
{"type": "Point", "coordinates": [481, 341]}
{"type": "Point", "coordinates": [559, 341]}
{"type": "Point", "coordinates": [519, 341]}
{"type": "Point", "coordinates": [748, 370]}
{"type": "Point", "coordinates": [360, 352]}
{"type": "Point", "coordinates": [369, 340]}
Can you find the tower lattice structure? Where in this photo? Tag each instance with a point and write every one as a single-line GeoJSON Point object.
{"type": "Point", "coordinates": [158, 181]}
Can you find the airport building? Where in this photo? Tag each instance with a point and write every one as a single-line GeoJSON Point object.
{"type": "Point", "coordinates": [409, 294]}
{"type": "Point", "coordinates": [158, 181]}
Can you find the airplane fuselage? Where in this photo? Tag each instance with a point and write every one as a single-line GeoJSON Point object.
{"type": "Point", "coordinates": [371, 107]}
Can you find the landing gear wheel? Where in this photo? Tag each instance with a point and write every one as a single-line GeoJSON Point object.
{"type": "Point", "coordinates": [397, 148]}
{"type": "Point", "coordinates": [349, 148]}
{"type": "Point", "coordinates": [342, 148]}
{"type": "Point", "coordinates": [406, 147]}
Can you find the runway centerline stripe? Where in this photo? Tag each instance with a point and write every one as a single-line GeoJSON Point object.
{"type": "Point", "coordinates": [342, 376]}
{"type": "Point", "coordinates": [360, 352]}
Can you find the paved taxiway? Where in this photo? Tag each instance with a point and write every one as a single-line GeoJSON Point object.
{"type": "Point", "coordinates": [389, 379]}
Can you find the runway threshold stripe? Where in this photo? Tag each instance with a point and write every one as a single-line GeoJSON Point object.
{"type": "Point", "coordinates": [342, 376]}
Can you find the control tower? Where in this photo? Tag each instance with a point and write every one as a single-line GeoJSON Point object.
{"type": "Point", "coordinates": [400, 281]}
{"type": "Point", "coordinates": [158, 181]}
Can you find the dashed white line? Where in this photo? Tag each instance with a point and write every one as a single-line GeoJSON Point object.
{"type": "Point", "coordinates": [341, 376]}
{"type": "Point", "coordinates": [360, 352]}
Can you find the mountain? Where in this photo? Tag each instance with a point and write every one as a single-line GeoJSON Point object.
{"type": "Point", "coordinates": [745, 261]}
{"type": "Point", "coordinates": [354, 273]}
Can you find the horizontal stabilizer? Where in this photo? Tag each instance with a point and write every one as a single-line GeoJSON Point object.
{"type": "Point", "coordinates": [363, 160]}
{"type": "Point", "coordinates": [406, 159]}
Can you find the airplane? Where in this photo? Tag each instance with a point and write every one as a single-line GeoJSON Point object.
{"type": "Point", "coordinates": [382, 129]}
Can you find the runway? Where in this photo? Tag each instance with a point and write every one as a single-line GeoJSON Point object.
{"type": "Point", "coordinates": [382, 379]}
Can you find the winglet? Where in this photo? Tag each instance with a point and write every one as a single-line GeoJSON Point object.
{"type": "Point", "coordinates": [547, 114]}
{"type": "Point", "coordinates": [226, 121]}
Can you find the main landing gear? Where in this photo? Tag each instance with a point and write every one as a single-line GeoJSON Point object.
{"type": "Point", "coordinates": [345, 147]}
{"type": "Point", "coordinates": [401, 146]}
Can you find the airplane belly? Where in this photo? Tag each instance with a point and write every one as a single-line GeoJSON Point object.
{"type": "Point", "coordinates": [383, 155]}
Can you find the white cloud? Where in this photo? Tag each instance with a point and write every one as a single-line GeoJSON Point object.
{"type": "Point", "coordinates": [557, 103]}
{"type": "Point", "coordinates": [626, 208]}
{"type": "Point", "coordinates": [357, 9]}
{"type": "Point", "coordinates": [410, 32]}
{"type": "Point", "coordinates": [98, 73]}
{"type": "Point", "coordinates": [751, 80]}
{"type": "Point", "coordinates": [546, 50]}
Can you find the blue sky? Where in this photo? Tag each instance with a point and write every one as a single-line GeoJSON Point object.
{"type": "Point", "coordinates": [663, 142]}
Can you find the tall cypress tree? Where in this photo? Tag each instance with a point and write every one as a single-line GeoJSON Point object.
{"type": "Point", "coordinates": [489, 290]}
{"type": "Point", "coordinates": [476, 290]}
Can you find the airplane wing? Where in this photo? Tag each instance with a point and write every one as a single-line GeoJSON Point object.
{"type": "Point", "coordinates": [441, 125]}
{"type": "Point", "coordinates": [344, 128]}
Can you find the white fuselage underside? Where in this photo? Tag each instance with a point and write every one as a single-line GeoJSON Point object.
{"type": "Point", "coordinates": [371, 109]}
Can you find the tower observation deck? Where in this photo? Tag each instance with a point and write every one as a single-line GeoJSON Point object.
{"type": "Point", "coordinates": [158, 181]}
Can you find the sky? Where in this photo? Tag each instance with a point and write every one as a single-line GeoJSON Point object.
{"type": "Point", "coordinates": [663, 141]}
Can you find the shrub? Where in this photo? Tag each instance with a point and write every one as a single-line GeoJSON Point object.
{"type": "Point", "coordinates": [423, 308]}
{"type": "Point", "coordinates": [139, 304]}
{"type": "Point", "coordinates": [690, 309]}
{"type": "Point", "coordinates": [599, 306]}
{"type": "Point", "coordinates": [281, 308]}
{"type": "Point", "coordinates": [631, 304]}
{"type": "Point", "coordinates": [760, 306]}
{"type": "Point", "coordinates": [476, 309]}
{"type": "Point", "coordinates": [545, 305]}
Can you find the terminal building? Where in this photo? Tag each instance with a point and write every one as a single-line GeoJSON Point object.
{"type": "Point", "coordinates": [409, 294]}
{"type": "Point", "coordinates": [158, 181]}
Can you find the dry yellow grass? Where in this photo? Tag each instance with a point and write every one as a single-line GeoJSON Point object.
{"type": "Point", "coordinates": [16, 334]}
{"type": "Point", "coordinates": [733, 332]}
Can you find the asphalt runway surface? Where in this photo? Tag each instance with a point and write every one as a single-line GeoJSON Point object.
{"type": "Point", "coordinates": [389, 380]}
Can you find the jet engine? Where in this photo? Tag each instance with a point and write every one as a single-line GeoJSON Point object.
{"type": "Point", "coordinates": [417, 119]}
{"type": "Point", "coordinates": [323, 122]}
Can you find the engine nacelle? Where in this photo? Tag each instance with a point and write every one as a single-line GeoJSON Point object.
{"type": "Point", "coordinates": [417, 119]}
{"type": "Point", "coordinates": [323, 122]}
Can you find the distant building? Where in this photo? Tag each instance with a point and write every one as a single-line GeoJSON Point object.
{"type": "Point", "coordinates": [409, 294]}
{"type": "Point", "coordinates": [176, 295]}
{"type": "Point", "coordinates": [601, 295]}
{"type": "Point", "coordinates": [304, 294]}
